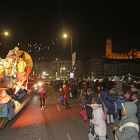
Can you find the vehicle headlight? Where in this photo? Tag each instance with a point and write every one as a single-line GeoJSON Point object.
{"type": "Point", "coordinates": [39, 83]}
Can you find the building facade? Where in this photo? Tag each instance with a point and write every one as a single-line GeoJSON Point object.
{"type": "Point", "coordinates": [79, 69]}
{"type": "Point", "coordinates": [134, 54]}
{"type": "Point", "coordinates": [94, 66]}
{"type": "Point", "coordinates": [121, 67]}
{"type": "Point", "coordinates": [61, 68]}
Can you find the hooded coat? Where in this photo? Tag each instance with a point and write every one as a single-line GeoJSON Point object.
{"type": "Point", "coordinates": [128, 132]}
{"type": "Point", "coordinates": [99, 123]}
{"type": "Point", "coordinates": [110, 104]}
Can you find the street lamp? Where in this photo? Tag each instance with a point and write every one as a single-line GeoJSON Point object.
{"type": "Point", "coordinates": [65, 36]}
{"type": "Point", "coordinates": [5, 33]}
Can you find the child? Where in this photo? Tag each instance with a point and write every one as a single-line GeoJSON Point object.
{"type": "Point", "coordinates": [62, 97]}
{"type": "Point", "coordinates": [97, 120]}
{"type": "Point", "coordinates": [111, 106]}
{"type": "Point", "coordinates": [119, 106]}
{"type": "Point", "coordinates": [128, 126]}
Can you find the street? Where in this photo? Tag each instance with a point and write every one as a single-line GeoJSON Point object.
{"type": "Point", "coordinates": [54, 123]}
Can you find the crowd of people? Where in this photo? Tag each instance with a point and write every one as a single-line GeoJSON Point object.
{"type": "Point", "coordinates": [104, 103]}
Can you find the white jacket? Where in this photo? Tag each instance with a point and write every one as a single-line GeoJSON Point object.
{"type": "Point", "coordinates": [99, 123]}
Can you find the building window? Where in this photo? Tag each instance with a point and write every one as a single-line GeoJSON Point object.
{"type": "Point", "coordinates": [62, 63]}
{"type": "Point", "coordinates": [59, 63]}
{"type": "Point", "coordinates": [65, 63]}
{"type": "Point", "coordinates": [68, 66]}
{"type": "Point", "coordinates": [68, 63]}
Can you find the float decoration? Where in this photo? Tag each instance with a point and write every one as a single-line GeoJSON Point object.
{"type": "Point", "coordinates": [14, 71]}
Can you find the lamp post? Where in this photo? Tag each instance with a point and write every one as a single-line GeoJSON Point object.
{"type": "Point", "coordinates": [5, 33]}
{"type": "Point", "coordinates": [65, 36]}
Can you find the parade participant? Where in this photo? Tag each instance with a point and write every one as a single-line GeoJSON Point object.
{"type": "Point", "coordinates": [42, 94]}
{"type": "Point", "coordinates": [97, 120]}
{"type": "Point", "coordinates": [128, 127]}
{"type": "Point", "coordinates": [111, 106]}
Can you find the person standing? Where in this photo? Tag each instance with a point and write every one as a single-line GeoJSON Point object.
{"type": "Point", "coordinates": [97, 120]}
{"type": "Point", "coordinates": [111, 106]}
{"type": "Point", "coordinates": [119, 106]}
{"type": "Point", "coordinates": [128, 127]}
{"type": "Point", "coordinates": [42, 94]}
{"type": "Point", "coordinates": [62, 97]}
{"type": "Point", "coordinates": [118, 85]}
{"type": "Point", "coordinates": [73, 89]}
{"type": "Point", "coordinates": [76, 90]}
{"type": "Point", "coordinates": [66, 97]}
{"type": "Point", "coordinates": [136, 100]}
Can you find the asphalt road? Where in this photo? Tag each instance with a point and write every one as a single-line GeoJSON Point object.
{"type": "Point", "coordinates": [54, 123]}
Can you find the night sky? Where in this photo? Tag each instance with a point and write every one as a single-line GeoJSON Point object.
{"type": "Point", "coordinates": [89, 22]}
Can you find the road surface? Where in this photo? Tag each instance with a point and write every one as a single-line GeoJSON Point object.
{"type": "Point", "coordinates": [54, 123]}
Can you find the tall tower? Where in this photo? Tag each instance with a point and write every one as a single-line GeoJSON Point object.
{"type": "Point", "coordinates": [108, 47]}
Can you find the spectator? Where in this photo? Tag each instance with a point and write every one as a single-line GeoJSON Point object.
{"type": "Point", "coordinates": [103, 94]}
{"type": "Point", "coordinates": [62, 97]}
{"type": "Point", "coordinates": [109, 84]}
{"type": "Point", "coordinates": [119, 106]}
{"type": "Point", "coordinates": [76, 90]}
{"type": "Point", "coordinates": [97, 120]}
{"type": "Point", "coordinates": [73, 89]}
{"type": "Point", "coordinates": [90, 95]}
{"type": "Point", "coordinates": [118, 85]}
{"type": "Point", "coordinates": [127, 96]}
{"type": "Point", "coordinates": [96, 85]}
{"type": "Point", "coordinates": [111, 106]}
{"type": "Point", "coordinates": [136, 100]}
{"type": "Point", "coordinates": [128, 126]}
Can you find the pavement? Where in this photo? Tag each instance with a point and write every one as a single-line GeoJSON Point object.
{"type": "Point", "coordinates": [53, 123]}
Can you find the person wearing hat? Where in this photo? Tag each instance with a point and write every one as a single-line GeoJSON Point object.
{"type": "Point", "coordinates": [111, 106]}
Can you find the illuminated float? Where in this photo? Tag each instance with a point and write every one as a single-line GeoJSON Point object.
{"type": "Point", "coordinates": [14, 95]}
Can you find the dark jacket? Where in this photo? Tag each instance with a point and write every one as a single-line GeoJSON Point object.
{"type": "Point", "coordinates": [103, 95]}
{"type": "Point", "coordinates": [88, 108]}
{"type": "Point", "coordinates": [73, 88]}
{"type": "Point", "coordinates": [138, 111]}
{"type": "Point", "coordinates": [110, 103]}
{"type": "Point", "coordinates": [109, 85]}
{"type": "Point", "coordinates": [42, 92]}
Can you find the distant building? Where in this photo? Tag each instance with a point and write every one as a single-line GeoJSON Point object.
{"type": "Point", "coordinates": [121, 67]}
{"type": "Point", "coordinates": [61, 68]}
{"type": "Point", "coordinates": [134, 54]}
{"type": "Point", "coordinates": [94, 66]}
{"type": "Point", "coordinates": [79, 71]}
{"type": "Point", "coordinates": [40, 66]}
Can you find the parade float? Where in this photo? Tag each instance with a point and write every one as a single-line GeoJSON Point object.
{"type": "Point", "coordinates": [14, 93]}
